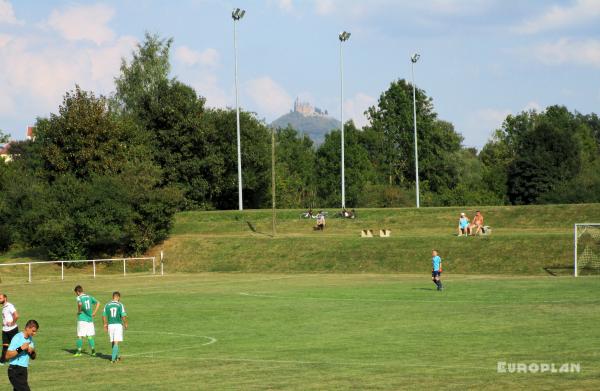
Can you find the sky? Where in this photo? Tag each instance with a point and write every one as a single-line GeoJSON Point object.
{"type": "Point", "coordinates": [480, 59]}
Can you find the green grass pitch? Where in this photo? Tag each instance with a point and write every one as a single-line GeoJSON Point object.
{"type": "Point", "coordinates": [230, 331]}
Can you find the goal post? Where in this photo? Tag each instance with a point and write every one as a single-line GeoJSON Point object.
{"type": "Point", "coordinates": [586, 239]}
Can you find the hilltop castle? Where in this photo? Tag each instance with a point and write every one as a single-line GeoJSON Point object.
{"type": "Point", "coordinates": [308, 110]}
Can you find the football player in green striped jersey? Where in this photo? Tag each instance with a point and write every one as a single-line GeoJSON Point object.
{"type": "Point", "coordinates": [115, 318]}
{"type": "Point", "coordinates": [87, 306]}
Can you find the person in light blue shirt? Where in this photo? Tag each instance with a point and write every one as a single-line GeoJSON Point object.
{"type": "Point", "coordinates": [436, 273]}
{"type": "Point", "coordinates": [20, 350]}
{"type": "Point", "coordinates": [463, 225]}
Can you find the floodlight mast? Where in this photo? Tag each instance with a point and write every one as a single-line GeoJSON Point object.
{"type": "Point", "coordinates": [413, 59]}
{"type": "Point", "coordinates": [236, 15]}
{"type": "Point", "coordinates": [343, 36]}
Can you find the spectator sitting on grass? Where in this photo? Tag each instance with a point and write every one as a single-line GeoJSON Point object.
{"type": "Point", "coordinates": [347, 214]}
{"type": "Point", "coordinates": [477, 223]}
{"type": "Point", "coordinates": [463, 225]}
{"type": "Point", "coordinates": [308, 214]}
{"type": "Point", "coordinates": [320, 221]}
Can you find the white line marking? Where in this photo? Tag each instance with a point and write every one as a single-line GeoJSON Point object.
{"type": "Point", "coordinates": [353, 299]}
{"type": "Point", "coordinates": [211, 340]}
{"type": "Point", "coordinates": [442, 300]}
{"type": "Point", "coordinates": [170, 333]}
{"type": "Point", "coordinates": [333, 363]}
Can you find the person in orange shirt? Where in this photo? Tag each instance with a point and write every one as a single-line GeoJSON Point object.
{"type": "Point", "coordinates": [477, 223]}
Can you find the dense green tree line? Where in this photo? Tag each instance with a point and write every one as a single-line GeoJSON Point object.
{"type": "Point", "coordinates": [105, 175]}
{"type": "Point", "coordinates": [547, 157]}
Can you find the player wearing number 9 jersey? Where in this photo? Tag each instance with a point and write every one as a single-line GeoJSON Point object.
{"type": "Point", "coordinates": [114, 318]}
{"type": "Point", "coordinates": [87, 306]}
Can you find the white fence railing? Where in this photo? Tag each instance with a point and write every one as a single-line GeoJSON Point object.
{"type": "Point", "coordinates": [92, 261]}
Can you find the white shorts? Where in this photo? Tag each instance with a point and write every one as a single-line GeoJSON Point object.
{"type": "Point", "coordinates": [115, 332]}
{"type": "Point", "coordinates": [85, 329]}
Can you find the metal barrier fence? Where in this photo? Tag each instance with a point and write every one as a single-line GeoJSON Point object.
{"type": "Point", "coordinates": [92, 261]}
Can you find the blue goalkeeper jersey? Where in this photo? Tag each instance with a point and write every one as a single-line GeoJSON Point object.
{"type": "Point", "coordinates": [436, 263]}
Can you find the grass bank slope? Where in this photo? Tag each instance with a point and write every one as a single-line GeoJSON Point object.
{"type": "Point", "coordinates": [535, 240]}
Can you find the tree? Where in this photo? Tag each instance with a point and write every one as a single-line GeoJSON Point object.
{"type": "Point", "coordinates": [533, 153]}
{"type": "Point", "coordinates": [140, 80]}
{"type": "Point", "coordinates": [438, 142]}
{"type": "Point", "coordinates": [219, 163]}
{"type": "Point", "coordinates": [4, 137]}
{"type": "Point", "coordinates": [6, 237]}
{"type": "Point", "coordinates": [179, 137]}
{"type": "Point", "coordinates": [359, 171]}
{"type": "Point", "coordinates": [295, 168]}
{"type": "Point", "coordinates": [174, 117]}
{"type": "Point", "coordinates": [87, 185]}
{"type": "Point", "coordinates": [86, 138]}
{"type": "Point", "coordinates": [471, 188]}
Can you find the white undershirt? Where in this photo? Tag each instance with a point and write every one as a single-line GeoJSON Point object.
{"type": "Point", "coordinates": [7, 316]}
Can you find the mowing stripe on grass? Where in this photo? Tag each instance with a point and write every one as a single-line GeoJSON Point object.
{"type": "Point", "coordinates": [330, 363]}
{"type": "Point", "coordinates": [408, 300]}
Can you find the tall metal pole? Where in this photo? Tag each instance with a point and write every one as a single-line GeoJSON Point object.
{"type": "Point", "coordinates": [414, 59]}
{"type": "Point", "coordinates": [343, 37]}
{"type": "Point", "coordinates": [273, 174]}
{"type": "Point", "coordinates": [237, 15]}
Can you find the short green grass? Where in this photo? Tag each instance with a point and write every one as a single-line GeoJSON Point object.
{"type": "Point", "coordinates": [527, 240]}
{"type": "Point", "coordinates": [319, 332]}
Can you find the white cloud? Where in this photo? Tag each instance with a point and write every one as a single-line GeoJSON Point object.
{"type": "Point", "coordinates": [208, 57]}
{"type": "Point", "coordinates": [39, 72]}
{"type": "Point", "coordinates": [7, 105]}
{"type": "Point", "coordinates": [84, 22]}
{"type": "Point", "coordinates": [567, 51]}
{"type": "Point", "coordinates": [557, 17]}
{"type": "Point", "coordinates": [481, 125]}
{"type": "Point", "coordinates": [492, 116]}
{"type": "Point", "coordinates": [206, 84]}
{"type": "Point", "coordinates": [533, 105]}
{"type": "Point", "coordinates": [325, 7]}
{"type": "Point", "coordinates": [105, 61]}
{"type": "Point", "coordinates": [454, 7]}
{"type": "Point", "coordinates": [7, 14]}
{"type": "Point", "coordinates": [359, 9]}
{"type": "Point", "coordinates": [285, 5]}
{"type": "Point", "coordinates": [269, 97]}
{"type": "Point", "coordinates": [4, 40]}
{"type": "Point", "coordinates": [489, 119]}
{"type": "Point", "coordinates": [355, 107]}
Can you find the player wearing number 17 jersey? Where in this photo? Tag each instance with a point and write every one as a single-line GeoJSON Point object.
{"type": "Point", "coordinates": [87, 306]}
{"type": "Point", "coordinates": [114, 318]}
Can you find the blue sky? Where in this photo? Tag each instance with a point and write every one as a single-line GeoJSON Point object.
{"type": "Point", "coordinates": [480, 59]}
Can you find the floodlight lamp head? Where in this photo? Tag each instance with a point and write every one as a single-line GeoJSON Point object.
{"type": "Point", "coordinates": [344, 36]}
{"type": "Point", "coordinates": [238, 14]}
{"type": "Point", "coordinates": [415, 57]}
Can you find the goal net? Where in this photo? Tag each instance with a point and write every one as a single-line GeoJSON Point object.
{"type": "Point", "coordinates": [587, 249]}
